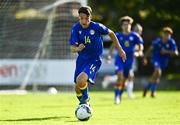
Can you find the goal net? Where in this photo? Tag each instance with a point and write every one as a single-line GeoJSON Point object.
{"type": "Point", "coordinates": [34, 48]}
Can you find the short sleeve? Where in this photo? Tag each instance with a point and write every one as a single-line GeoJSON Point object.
{"type": "Point", "coordinates": [139, 39]}
{"type": "Point", "coordinates": [103, 29]}
{"type": "Point", "coordinates": [174, 46]}
{"type": "Point", "coordinates": [74, 36]}
{"type": "Point", "coordinates": [154, 43]}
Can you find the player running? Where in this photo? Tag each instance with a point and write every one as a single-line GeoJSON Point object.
{"type": "Point", "coordinates": [129, 83]}
{"type": "Point", "coordinates": [127, 40]}
{"type": "Point", "coordinates": [137, 53]}
{"type": "Point", "coordinates": [162, 49]}
{"type": "Point", "coordinates": [86, 40]}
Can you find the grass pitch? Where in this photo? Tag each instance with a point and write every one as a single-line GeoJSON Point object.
{"type": "Point", "coordinates": [45, 109]}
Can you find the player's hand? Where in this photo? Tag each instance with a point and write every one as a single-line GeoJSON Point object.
{"type": "Point", "coordinates": [164, 51]}
{"type": "Point", "coordinates": [138, 53]}
{"type": "Point", "coordinates": [81, 47]}
{"type": "Point", "coordinates": [145, 61]}
{"type": "Point", "coordinates": [122, 55]}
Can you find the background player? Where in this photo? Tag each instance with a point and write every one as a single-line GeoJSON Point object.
{"type": "Point", "coordinates": [128, 40]}
{"type": "Point", "coordinates": [86, 40]}
{"type": "Point", "coordinates": [162, 49]}
{"type": "Point", "coordinates": [130, 81]}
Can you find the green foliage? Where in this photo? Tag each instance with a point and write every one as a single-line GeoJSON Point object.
{"type": "Point", "coordinates": [152, 14]}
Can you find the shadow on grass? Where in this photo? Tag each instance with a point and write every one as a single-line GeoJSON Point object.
{"type": "Point", "coordinates": [36, 119]}
{"type": "Point", "coordinates": [73, 121]}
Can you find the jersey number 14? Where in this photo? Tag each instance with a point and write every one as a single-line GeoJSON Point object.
{"type": "Point", "coordinates": [87, 39]}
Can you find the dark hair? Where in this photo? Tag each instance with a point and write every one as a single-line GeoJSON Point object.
{"type": "Point", "coordinates": [86, 10]}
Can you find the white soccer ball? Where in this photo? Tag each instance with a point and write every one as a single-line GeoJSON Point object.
{"type": "Point", "coordinates": [83, 112]}
{"type": "Point", "coordinates": [52, 90]}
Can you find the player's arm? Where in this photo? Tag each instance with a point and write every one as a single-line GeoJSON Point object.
{"type": "Point", "coordinates": [139, 50]}
{"type": "Point", "coordinates": [117, 45]}
{"type": "Point", "coordinates": [172, 53]}
{"type": "Point", "coordinates": [176, 53]}
{"type": "Point", "coordinates": [147, 54]}
{"type": "Point", "coordinates": [139, 46]}
{"type": "Point", "coordinates": [77, 48]}
{"type": "Point", "coordinates": [74, 41]}
{"type": "Point", "coordinates": [109, 56]}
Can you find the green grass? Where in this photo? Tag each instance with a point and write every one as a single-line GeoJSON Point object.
{"type": "Point", "coordinates": [44, 109]}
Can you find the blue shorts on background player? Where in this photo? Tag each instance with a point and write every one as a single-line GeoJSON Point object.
{"type": "Point", "coordinates": [86, 40]}
{"type": "Point", "coordinates": [162, 49]}
{"type": "Point", "coordinates": [128, 40]}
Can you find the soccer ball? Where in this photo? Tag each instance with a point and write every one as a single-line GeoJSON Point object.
{"type": "Point", "coordinates": [83, 112]}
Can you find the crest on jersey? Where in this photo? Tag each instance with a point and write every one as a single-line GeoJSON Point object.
{"type": "Point", "coordinates": [80, 31]}
{"type": "Point", "coordinates": [126, 44]}
{"type": "Point", "coordinates": [92, 32]}
{"type": "Point", "coordinates": [131, 38]}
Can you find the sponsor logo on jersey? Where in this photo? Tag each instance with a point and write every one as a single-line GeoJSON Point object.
{"type": "Point", "coordinates": [126, 44]}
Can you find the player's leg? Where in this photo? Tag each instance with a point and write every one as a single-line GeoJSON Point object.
{"type": "Point", "coordinates": [130, 84]}
{"type": "Point", "coordinates": [80, 65]}
{"type": "Point", "coordinates": [153, 81]}
{"type": "Point", "coordinates": [108, 80]}
{"type": "Point", "coordinates": [82, 87]}
{"type": "Point", "coordinates": [78, 92]}
{"type": "Point", "coordinates": [86, 77]}
{"type": "Point", "coordinates": [119, 87]}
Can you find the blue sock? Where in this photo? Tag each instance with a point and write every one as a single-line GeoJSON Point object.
{"type": "Point", "coordinates": [85, 95]}
{"type": "Point", "coordinates": [148, 86]}
{"type": "Point", "coordinates": [79, 97]}
{"type": "Point", "coordinates": [117, 92]}
{"type": "Point", "coordinates": [153, 88]}
{"type": "Point", "coordinates": [121, 91]}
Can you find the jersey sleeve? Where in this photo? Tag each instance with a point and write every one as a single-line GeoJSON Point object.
{"type": "Point", "coordinates": [139, 39]}
{"type": "Point", "coordinates": [154, 43]}
{"type": "Point", "coordinates": [174, 46]}
{"type": "Point", "coordinates": [103, 29]}
{"type": "Point", "coordinates": [74, 36]}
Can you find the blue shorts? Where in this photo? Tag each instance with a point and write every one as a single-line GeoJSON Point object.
{"type": "Point", "coordinates": [90, 67]}
{"type": "Point", "coordinates": [124, 67]}
{"type": "Point", "coordinates": [157, 63]}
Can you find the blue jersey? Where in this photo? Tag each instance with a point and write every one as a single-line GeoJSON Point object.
{"type": "Point", "coordinates": [159, 59]}
{"type": "Point", "coordinates": [90, 37]}
{"type": "Point", "coordinates": [128, 42]}
{"type": "Point", "coordinates": [88, 60]}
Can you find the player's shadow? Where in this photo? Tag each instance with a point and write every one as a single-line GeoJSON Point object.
{"type": "Point", "coordinates": [37, 119]}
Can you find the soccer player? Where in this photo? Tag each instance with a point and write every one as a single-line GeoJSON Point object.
{"type": "Point", "coordinates": [128, 40]}
{"type": "Point", "coordinates": [138, 28]}
{"type": "Point", "coordinates": [86, 40]}
{"type": "Point", "coordinates": [162, 49]}
{"type": "Point", "coordinates": [130, 81]}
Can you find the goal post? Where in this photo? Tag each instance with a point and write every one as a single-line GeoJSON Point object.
{"type": "Point", "coordinates": [34, 38]}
